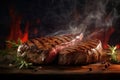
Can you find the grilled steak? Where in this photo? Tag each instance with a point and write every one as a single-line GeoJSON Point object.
{"type": "Point", "coordinates": [89, 51]}
{"type": "Point", "coordinates": [55, 50]}
{"type": "Point", "coordinates": [43, 50]}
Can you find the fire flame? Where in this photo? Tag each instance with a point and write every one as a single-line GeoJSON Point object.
{"type": "Point", "coordinates": [15, 28]}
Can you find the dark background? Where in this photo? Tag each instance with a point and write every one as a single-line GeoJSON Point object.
{"type": "Point", "coordinates": [54, 15]}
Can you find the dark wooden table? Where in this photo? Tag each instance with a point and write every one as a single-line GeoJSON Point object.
{"type": "Point", "coordinates": [89, 72]}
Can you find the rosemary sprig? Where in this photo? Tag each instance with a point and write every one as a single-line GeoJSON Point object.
{"type": "Point", "coordinates": [19, 61]}
{"type": "Point", "coordinates": [113, 54]}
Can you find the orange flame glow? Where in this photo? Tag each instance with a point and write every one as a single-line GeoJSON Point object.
{"type": "Point", "coordinates": [15, 29]}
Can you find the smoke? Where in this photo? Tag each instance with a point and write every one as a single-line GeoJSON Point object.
{"type": "Point", "coordinates": [81, 16]}
{"type": "Point", "coordinates": [71, 16]}
{"type": "Point", "coordinates": [95, 16]}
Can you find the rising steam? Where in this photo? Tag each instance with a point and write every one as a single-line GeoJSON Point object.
{"type": "Point", "coordinates": [93, 15]}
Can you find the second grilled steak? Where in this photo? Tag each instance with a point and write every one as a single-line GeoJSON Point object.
{"type": "Point", "coordinates": [86, 52]}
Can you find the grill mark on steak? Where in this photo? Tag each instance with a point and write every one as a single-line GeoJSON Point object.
{"type": "Point", "coordinates": [37, 43]}
{"type": "Point", "coordinates": [40, 41]}
{"type": "Point", "coordinates": [60, 39]}
{"type": "Point", "coordinates": [30, 43]}
{"type": "Point", "coordinates": [67, 39]}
